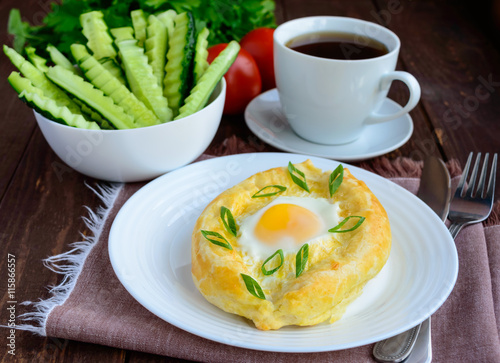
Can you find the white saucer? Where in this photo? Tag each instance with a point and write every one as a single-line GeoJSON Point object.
{"type": "Point", "coordinates": [265, 119]}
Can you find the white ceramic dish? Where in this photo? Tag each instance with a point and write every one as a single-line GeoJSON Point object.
{"type": "Point", "coordinates": [150, 241]}
{"type": "Point", "coordinates": [136, 154]}
{"type": "Point", "coordinates": [265, 119]}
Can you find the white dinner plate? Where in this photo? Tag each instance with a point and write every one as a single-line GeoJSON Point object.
{"type": "Point", "coordinates": [265, 119]}
{"type": "Point", "coordinates": [150, 251]}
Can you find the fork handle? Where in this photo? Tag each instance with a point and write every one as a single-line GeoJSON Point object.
{"type": "Point", "coordinates": [455, 228]}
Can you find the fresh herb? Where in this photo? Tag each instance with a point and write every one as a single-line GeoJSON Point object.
{"type": "Point", "coordinates": [226, 19]}
{"type": "Point", "coordinates": [253, 287]}
{"type": "Point", "coordinates": [336, 178]}
{"type": "Point", "coordinates": [270, 272]}
{"type": "Point", "coordinates": [228, 220]}
{"type": "Point", "coordinates": [301, 259]}
{"type": "Point", "coordinates": [221, 241]}
{"type": "Point", "coordinates": [337, 229]}
{"type": "Point", "coordinates": [259, 194]}
{"type": "Point", "coordinates": [300, 180]}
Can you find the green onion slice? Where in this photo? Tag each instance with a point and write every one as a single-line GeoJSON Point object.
{"type": "Point", "coordinates": [301, 259]}
{"type": "Point", "coordinates": [336, 229]}
{"type": "Point", "coordinates": [259, 194]}
{"type": "Point", "coordinates": [224, 243]}
{"type": "Point", "coordinates": [300, 180]}
{"type": "Point", "coordinates": [336, 178]}
{"type": "Point", "coordinates": [270, 272]}
{"type": "Point", "coordinates": [253, 287]}
{"type": "Point", "coordinates": [228, 220]}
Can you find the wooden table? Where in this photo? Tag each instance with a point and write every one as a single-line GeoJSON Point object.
{"type": "Point", "coordinates": [448, 46]}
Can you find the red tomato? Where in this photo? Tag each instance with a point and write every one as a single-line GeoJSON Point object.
{"type": "Point", "coordinates": [259, 43]}
{"type": "Point", "coordinates": [242, 79]}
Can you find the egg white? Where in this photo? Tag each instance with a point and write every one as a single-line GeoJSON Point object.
{"type": "Point", "coordinates": [250, 246]}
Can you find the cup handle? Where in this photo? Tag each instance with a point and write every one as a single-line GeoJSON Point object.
{"type": "Point", "coordinates": [412, 84]}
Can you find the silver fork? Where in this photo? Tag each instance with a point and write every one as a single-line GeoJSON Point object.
{"type": "Point", "coordinates": [472, 204]}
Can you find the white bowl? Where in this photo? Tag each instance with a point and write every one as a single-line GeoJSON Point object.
{"type": "Point", "coordinates": [136, 154]}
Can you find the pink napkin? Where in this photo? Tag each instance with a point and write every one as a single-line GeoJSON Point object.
{"type": "Point", "coordinates": [91, 305]}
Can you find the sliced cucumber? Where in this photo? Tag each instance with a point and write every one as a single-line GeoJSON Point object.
{"type": "Point", "coordinates": [48, 108]}
{"type": "Point", "coordinates": [91, 115]}
{"type": "Point", "coordinates": [123, 33]}
{"type": "Point", "coordinates": [200, 54]}
{"type": "Point", "coordinates": [179, 68]}
{"type": "Point", "coordinates": [112, 66]}
{"type": "Point", "coordinates": [167, 18]}
{"type": "Point", "coordinates": [96, 32]}
{"type": "Point", "coordinates": [21, 84]}
{"type": "Point", "coordinates": [91, 96]}
{"type": "Point", "coordinates": [139, 22]}
{"type": "Point", "coordinates": [201, 92]}
{"type": "Point", "coordinates": [142, 80]}
{"type": "Point", "coordinates": [39, 80]}
{"type": "Point", "coordinates": [36, 60]}
{"type": "Point", "coordinates": [60, 59]}
{"type": "Point", "coordinates": [156, 47]}
{"type": "Point", "coordinates": [104, 80]}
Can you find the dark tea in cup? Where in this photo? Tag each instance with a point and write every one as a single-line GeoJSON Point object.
{"type": "Point", "coordinates": [337, 45]}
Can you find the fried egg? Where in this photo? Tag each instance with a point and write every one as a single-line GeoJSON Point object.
{"type": "Point", "coordinates": [286, 223]}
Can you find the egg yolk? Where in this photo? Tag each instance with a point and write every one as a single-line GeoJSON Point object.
{"type": "Point", "coordinates": [287, 221]}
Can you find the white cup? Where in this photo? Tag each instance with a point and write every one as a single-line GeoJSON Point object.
{"type": "Point", "coordinates": [330, 101]}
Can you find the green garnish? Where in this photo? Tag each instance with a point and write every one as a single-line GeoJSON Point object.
{"type": "Point", "coordinates": [282, 259]}
{"type": "Point", "coordinates": [224, 243]}
{"type": "Point", "coordinates": [230, 224]}
{"type": "Point", "coordinates": [336, 229]}
{"type": "Point", "coordinates": [280, 188]}
{"type": "Point", "coordinates": [253, 287]}
{"type": "Point", "coordinates": [301, 259]}
{"type": "Point", "coordinates": [336, 178]}
{"type": "Point", "coordinates": [299, 180]}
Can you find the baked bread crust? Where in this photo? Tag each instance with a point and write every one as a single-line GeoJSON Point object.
{"type": "Point", "coordinates": [337, 269]}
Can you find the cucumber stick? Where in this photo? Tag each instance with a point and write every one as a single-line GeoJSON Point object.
{"type": "Point", "coordinates": [91, 96]}
{"type": "Point", "coordinates": [36, 60]}
{"type": "Point", "coordinates": [201, 92]}
{"type": "Point", "coordinates": [123, 33]}
{"type": "Point", "coordinates": [179, 68]}
{"type": "Point", "coordinates": [48, 108]}
{"type": "Point", "coordinates": [139, 22]}
{"type": "Point", "coordinates": [113, 68]}
{"type": "Point", "coordinates": [91, 115]}
{"type": "Point", "coordinates": [110, 86]}
{"type": "Point", "coordinates": [167, 18]}
{"type": "Point", "coordinates": [96, 32]}
{"type": "Point", "coordinates": [60, 59]}
{"type": "Point", "coordinates": [156, 47]}
{"type": "Point", "coordinates": [21, 84]}
{"type": "Point", "coordinates": [39, 80]}
{"type": "Point", "coordinates": [142, 80]}
{"type": "Point", "coordinates": [200, 54]}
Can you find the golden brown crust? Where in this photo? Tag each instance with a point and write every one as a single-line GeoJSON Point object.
{"type": "Point", "coordinates": [337, 268]}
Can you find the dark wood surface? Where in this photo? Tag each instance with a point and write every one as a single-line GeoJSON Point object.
{"type": "Point", "coordinates": [449, 46]}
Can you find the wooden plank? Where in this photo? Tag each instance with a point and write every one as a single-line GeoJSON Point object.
{"type": "Point", "coordinates": [458, 67]}
{"type": "Point", "coordinates": [17, 120]}
{"type": "Point", "coordinates": [40, 214]}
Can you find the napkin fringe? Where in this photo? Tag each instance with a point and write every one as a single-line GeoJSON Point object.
{"type": "Point", "coordinates": [70, 263]}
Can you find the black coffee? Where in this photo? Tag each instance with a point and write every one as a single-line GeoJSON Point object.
{"type": "Point", "coordinates": [335, 45]}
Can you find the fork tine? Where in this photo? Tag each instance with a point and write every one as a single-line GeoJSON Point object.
{"type": "Point", "coordinates": [480, 191]}
{"type": "Point", "coordinates": [491, 183]}
{"type": "Point", "coordinates": [461, 182]}
{"type": "Point", "coordinates": [473, 177]}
